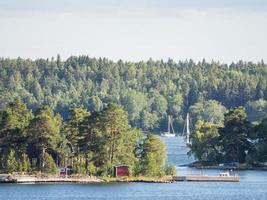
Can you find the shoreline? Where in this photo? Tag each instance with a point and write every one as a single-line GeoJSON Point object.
{"type": "Point", "coordinates": [29, 179]}
{"type": "Point", "coordinates": [26, 179]}
{"type": "Point", "coordinates": [198, 165]}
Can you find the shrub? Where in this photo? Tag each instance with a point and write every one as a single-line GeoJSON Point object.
{"type": "Point", "coordinates": [170, 170]}
{"type": "Point", "coordinates": [11, 164]}
{"type": "Point", "coordinates": [49, 166]}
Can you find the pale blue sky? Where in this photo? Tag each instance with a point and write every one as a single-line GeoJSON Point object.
{"type": "Point", "coordinates": [50, 5]}
{"type": "Point", "coordinates": [224, 30]}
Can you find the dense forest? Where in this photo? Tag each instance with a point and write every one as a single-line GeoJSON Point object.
{"type": "Point", "coordinates": [84, 112]}
{"type": "Point", "coordinates": [236, 141]}
{"type": "Point", "coordinates": [88, 143]}
{"type": "Point", "coordinates": [148, 91]}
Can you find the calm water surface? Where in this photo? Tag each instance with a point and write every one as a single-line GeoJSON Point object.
{"type": "Point", "coordinates": [253, 185]}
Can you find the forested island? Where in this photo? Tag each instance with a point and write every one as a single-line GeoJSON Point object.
{"type": "Point", "coordinates": [89, 112]}
{"type": "Point", "coordinates": [90, 144]}
{"type": "Point", "coordinates": [237, 142]}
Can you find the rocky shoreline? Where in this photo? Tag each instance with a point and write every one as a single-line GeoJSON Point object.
{"type": "Point", "coordinates": [165, 179]}
{"type": "Point", "coordinates": [200, 165]}
{"type": "Point", "coordinates": [28, 179]}
{"type": "Point", "coordinates": [47, 179]}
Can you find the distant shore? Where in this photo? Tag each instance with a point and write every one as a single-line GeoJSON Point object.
{"type": "Point", "coordinates": [200, 165]}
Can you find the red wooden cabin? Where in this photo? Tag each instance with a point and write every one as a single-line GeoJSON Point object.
{"type": "Point", "coordinates": [121, 170]}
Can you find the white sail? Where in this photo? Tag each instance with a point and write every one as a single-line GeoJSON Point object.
{"type": "Point", "coordinates": [187, 129]}
{"type": "Point", "coordinates": [170, 127]}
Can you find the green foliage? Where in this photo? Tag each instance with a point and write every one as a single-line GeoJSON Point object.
{"type": "Point", "coordinates": [256, 110]}
{"type": "Point", "coordinates": [79, 165]}
{"type": "Point", "coordinates": [170, 170]}
{"type": "Point", "coordinates": [236, 141]}
{"type": "Point", "coordinates": [49, 165]}
{"type": "Point", "coordinates": [44, 130]}
{"type": "Point", "coordinates": [149, 120]}
{"type": "Point", "coordinates": [25, 163]}
{"type": "Point", "coordinates": [95, 104]}
{"type": "Point", "coordinates": [134, 103]}
{"type": "Point", "coordinates": [148, 91]}
{"type": "Point", "coordinates": [110, 138]}
{"type": "Point", "coordinates": [176, 104]}
{"type": "Point", "coordinates": [93, 143]}
{"type": "Point", "coordinates": [11, 164]}
{"type": "Point", "coordinates": [261, 144]}
{"type": "Point", "coordinates": [234, 135]}
{"type": "Point", "coordinates": [73, 124]}
{"type": "Point", "coordinates": [204, 142]}
{"type": "Point", "coordinates": [208, 111]}
{"type": "Point", "coordinates": [13, 121]}
{"type": "Point", "coordinates": [91, 169]}
{"type": "Point", "coordinates": [153, 157]}
{"type": "Point", "coordinates": [16, 116]}
{"type": "Point", "coordinates": [153, 86]}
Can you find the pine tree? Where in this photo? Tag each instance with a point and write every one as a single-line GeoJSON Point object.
{"type": "Point", "coordinates": [49, 165]}
{"type": "Point", "coordinates": [234, 135]}
{"type": "Point", "coordinates": [12, 165]}
{"type": "Point", "coordinates": [44, 133]}
{"type": "Point", "coordinates": [153, 157]}
{"type": "Point", "coordinates": [25, 163]}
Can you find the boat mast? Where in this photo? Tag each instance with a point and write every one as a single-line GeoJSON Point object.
{"type": "Point", "coordinates": [172, 127]}
{"type": "Point", "coordinates": [187, 128]}
{"type": "Point", "coordinates": [169, 123]}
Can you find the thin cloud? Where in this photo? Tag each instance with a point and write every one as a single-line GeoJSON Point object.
{"type": "Point", "coordinates": [137, 33]}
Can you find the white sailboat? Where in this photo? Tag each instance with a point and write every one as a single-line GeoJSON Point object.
{"type": "Point", "coordinates": [170, 128]}
{"type": "Point", "coordinates": [186, 132]}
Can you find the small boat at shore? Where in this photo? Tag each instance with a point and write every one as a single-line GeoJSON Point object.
{"type": "Point", "coordinates": [170, 128]}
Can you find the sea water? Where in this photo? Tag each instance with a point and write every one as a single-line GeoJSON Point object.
{"type": "Point", "coordinates": [252, 185]}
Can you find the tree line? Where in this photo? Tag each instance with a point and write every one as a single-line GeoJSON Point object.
{"type": "Point", "coordinates": [236, 140]}
{"type": "Point", "coordinates": [148, 90]}
{"type": "Point", "coordinates": [92, 143]}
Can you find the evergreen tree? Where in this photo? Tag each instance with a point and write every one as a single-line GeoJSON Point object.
{"type": "Point", "coordinates": [44, 133]}
{"type": "Point", "coordinates": [25, 163]}
{"type": "Point", "coordinates": [11, 164]}
{"type": "Point", "coordinates": [153, 156]}
{"type": "Point", "coordinates": [13, 122]}
{"type": "Point", "coordinates": [49, 165]}
{"type": "Point", "coordinates": [234, 135]}
{"type": "Point", "coordinates": [256, 110]}
{"type": "Point", "coordinates": [144, 86]}
{"type": "Point", "coordinates": [261, 141]}
{"type": "Point", "coordinates": [73, 126]}
{"type": "Point", "coordinates": [204, 143]}
{"type": "Point", "coordinates": [109, 140]}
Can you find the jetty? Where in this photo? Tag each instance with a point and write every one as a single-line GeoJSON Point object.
{"type": "Point", "coordinates": [204, 178]}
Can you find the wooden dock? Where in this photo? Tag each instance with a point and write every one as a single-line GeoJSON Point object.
{"type": "Point", "coordinates": [207, 178]}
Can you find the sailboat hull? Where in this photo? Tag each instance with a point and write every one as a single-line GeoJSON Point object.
{"type": "Point", "coordinates": [170, 127]}
{"type": "Point", "coordinates": [167, 134]}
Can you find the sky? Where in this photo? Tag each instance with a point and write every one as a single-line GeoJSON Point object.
{"type": "Point", "coordinates": [133, 30]}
